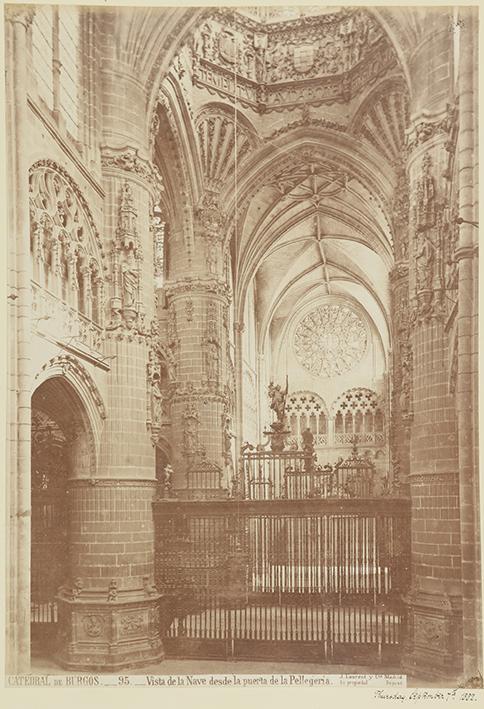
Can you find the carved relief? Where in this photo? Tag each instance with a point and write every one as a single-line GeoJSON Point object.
{"type": "Point", "coordinates": [131, 624]}
{"type": "Point", "coordinates": [329, 57]}
{"type": "Point", "coordinates": [93, 625]}
{"type": "Point", "coordinates": [431, 631]}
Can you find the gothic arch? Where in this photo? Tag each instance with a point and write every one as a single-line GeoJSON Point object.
{"type": "Point", "coordinates": [306, 409]}
{"type": "Point", "coordinates": [91, 407]}
{"type": "Point", "coordinates": [359, 411]}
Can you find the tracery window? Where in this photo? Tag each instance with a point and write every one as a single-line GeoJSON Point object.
{"type": "Point", "coordinates": [330, 340]}
{"type": "Point", "coordinates": [65, 253]}
{"type": "Point", "coordinates": [359, 412]}
{"type": "Point", "coordinates": [56, 35]}
{"type": "Point", "coordinates": [305, 409]}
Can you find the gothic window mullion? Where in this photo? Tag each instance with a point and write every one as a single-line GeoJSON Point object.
{"type": "Point", "coordinates": [56, 63]}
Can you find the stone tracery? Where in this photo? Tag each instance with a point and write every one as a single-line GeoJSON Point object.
{"type": "Point", "coordinates": [330, 340]}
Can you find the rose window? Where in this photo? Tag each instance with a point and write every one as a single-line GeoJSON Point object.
{"type": "Point", "coordinates": [330, 340]}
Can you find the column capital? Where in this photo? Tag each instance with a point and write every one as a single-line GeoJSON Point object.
{"type": "Point", "coordinates": [432, 127]}
{"type": "Point", "coordinates": [127, 162]}
{"type": "Point", "coordinates": [20, 14]}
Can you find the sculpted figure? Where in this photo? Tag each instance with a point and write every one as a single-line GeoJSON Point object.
{"type": "Point", "coordinates": [278, 400]}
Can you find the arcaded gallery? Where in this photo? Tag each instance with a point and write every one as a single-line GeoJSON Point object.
{"type": "Point", "coordinates": [242, 339]}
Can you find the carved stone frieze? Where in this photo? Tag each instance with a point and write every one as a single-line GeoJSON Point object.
{"type": "Point", "coordinates": [128, 160]}
{"type": "Point", "coordinates": [192, 285]}
{"type": "Point", "coordinates": [186, 392]}
{"type": "Point", "coordinates": [324, 59]}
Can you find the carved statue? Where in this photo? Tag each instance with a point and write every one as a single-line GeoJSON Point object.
{"type": "Point", "coordinates": [156, 404]}
{"type": "Point", "coordinates": [191, 434]}
{"type": "Point", "coordinates": [278, 400]}
{"type": "Point", "coordinates": [425, 259]}
{"type": "Point", "coordinates": [167, 476]}
{"type": "Point", "coordinates": [130, 286]}
{"type": "Point", "coordinates": [212, 360]}
{"type": "Point", "coordinates": [426, 207]}
{"type": "Point", "coordinates": [227, 441]}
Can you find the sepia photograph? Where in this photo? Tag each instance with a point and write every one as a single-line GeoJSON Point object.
{"type": "Point", "coordinates": [242, 391]}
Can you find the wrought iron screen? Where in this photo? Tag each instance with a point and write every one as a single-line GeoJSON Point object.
{"type": "Point", "coordinates": [310, 579]}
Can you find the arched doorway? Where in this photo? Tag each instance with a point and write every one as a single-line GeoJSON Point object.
{"type": "Point", "coordinates": [61, 449]}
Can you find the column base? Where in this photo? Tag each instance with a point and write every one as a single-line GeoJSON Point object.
{"type": "Point", "coordinates": [109, 636]}
{"type": "Point", "coordinates": [433, 647]}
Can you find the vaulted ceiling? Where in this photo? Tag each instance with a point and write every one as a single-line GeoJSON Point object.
{"type": "Point", "coordinates": [298, 124]}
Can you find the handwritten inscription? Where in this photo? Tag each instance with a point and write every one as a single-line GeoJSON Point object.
{"type": "Point", "coordinates": [431, 695]}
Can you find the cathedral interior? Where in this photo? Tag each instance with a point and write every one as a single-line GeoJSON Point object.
{"type": "Point", "coordinates": [242, 351]}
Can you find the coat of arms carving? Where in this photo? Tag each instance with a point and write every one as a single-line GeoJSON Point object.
{"type": "Point", "coordinates": [303, 57]}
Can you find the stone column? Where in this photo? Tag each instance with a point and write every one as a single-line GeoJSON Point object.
{"type": "Point", "coordinates": [467, 386]}
{"type": "Point", "coordinates": [109, 609]}
{"type": "Point", "coordinates": [197, 334]}
{"type": "Point", "coordinates": [19, 297]}
{"type": "Point", "coordinates": [434, 602]}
